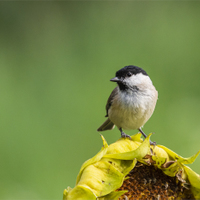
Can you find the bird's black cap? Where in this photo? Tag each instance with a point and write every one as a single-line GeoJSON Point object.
{"type": "Point", "coordinates": [130, 68]}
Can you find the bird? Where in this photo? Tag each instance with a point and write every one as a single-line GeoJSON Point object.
{"type": "Point", "coordinates": [131, 103]}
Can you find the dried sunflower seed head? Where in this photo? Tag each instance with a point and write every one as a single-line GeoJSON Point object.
{"type": "Point", "coordinates": [132, 169]}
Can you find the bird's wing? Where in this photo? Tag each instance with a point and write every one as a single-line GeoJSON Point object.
{"type": "Point", "coordinates": [110, 99]}
{"type": "Point", "coordinates": [107, 125]}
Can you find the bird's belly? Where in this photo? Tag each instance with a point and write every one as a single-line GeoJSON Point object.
{"type": "Point", "coordinates": [128, 117]}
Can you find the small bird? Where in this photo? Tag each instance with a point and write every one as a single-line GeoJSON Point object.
{"type": "Point", "coordinates": [132, 102]}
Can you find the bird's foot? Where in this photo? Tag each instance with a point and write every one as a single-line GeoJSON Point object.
{"type": "Point", "coordinates": [124, 135]}
{"type": "Point", "coordinates": [151, 143]}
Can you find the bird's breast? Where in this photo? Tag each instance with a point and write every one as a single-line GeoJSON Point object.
{"type": "Point", "coordinates": [130, 111]}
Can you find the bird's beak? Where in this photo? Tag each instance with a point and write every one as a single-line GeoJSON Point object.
{"type": "Point", "coordinates": [116, 79]}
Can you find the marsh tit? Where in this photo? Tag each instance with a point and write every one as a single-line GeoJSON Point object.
{"type": "Point", "coordinates": [132, 102]}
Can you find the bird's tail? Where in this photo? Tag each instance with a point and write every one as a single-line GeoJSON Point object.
{"type": "Point", "coordinates": [107, 125]}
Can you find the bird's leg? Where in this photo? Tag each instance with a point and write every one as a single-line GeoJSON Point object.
{"type": "Point", "coordinates": [151, 143]}
{"type": "Point", "coordinates": [124, 135]}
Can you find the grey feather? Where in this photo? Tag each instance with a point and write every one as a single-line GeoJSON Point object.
{"type": "Point", "coordinates": [107, 125]}
{"type": "Point", "coordinates": [110, 99]}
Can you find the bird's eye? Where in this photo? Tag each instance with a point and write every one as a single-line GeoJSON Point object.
{"type": "Point", "coordinates": [129, 74]}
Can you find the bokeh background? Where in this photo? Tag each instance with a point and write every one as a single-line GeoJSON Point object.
{"type": "Point", "coordinates": [56, 60]}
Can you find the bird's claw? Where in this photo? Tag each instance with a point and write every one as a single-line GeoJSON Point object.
{"type": "Point", "coordinates": [152, 143]}
{"type": "Point", "coordinates": [124, 135]}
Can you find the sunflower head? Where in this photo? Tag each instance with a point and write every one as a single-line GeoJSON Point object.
{"type": "Point", "coordinates": [134, 169]}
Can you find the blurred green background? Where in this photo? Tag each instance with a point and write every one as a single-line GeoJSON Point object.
{"type": "Point", "coordinates": [56, 60]}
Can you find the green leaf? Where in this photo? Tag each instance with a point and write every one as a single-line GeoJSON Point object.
{"type": "Point", "coordinates": [94, 159]}
{"type": "Point", "coordinates": [113, 195]}
{"type": "Point", "coordinates": [137, 137]}
{"type": "Point", "coordinates": [180, 159]}
{"type": "Point", "coordinates": [172, 170]}
{"type": "Point", "coordinates": [138, 153]}
{"type": "Point", "coordinates": [79, 193]}
{"type": "Point", "coordinates": [159, 161]}
{"type": "Point", "coordinates": [102, 178]}
{"type": "Point", "coordinates": [194, 180]}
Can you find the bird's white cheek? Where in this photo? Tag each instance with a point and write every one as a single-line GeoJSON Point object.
{"type": "Point", "coordinates": [138, 79]}
{"type": "Point", "coordinates": [134, 80]}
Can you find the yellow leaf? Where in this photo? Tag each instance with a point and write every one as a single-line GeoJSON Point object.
{"type": "Point", "coordinates": [138, 153]}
